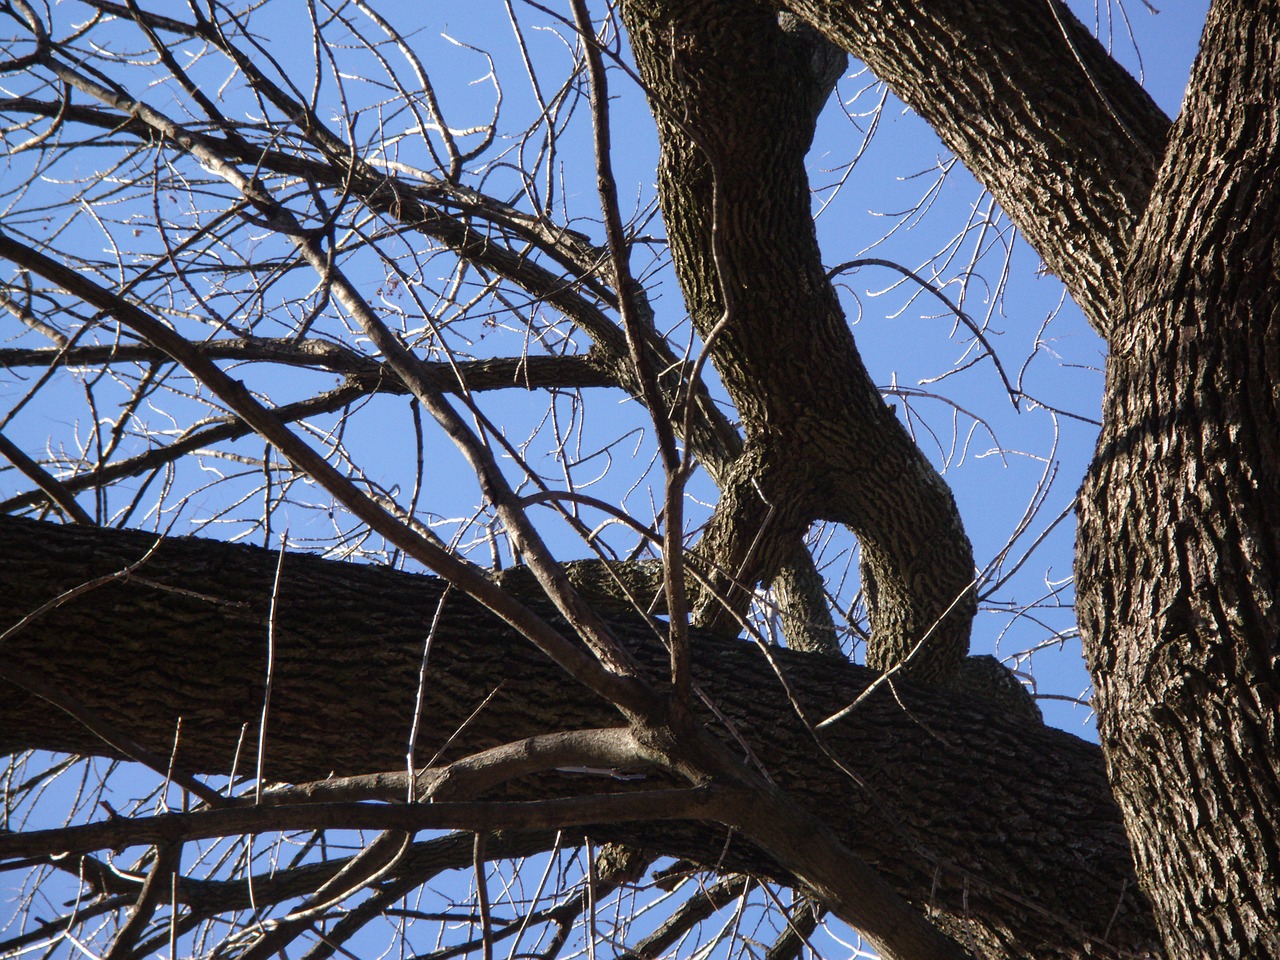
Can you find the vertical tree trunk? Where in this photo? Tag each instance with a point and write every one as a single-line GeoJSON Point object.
{"type": "Point", "coordinates": [1179, 551]}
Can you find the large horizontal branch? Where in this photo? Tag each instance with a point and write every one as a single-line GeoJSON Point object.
{"type": "Point", "coordinates": [1063, 136]}
{"type": "Point", "coordinates": [1005, 828]}
{"type": "Point", "coordinates": [623, 689]}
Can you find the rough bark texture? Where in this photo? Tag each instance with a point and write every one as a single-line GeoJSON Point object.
{"type": "Point", "coordinates": [1063, 137]}
{"type": "Point", "coordinates": [1004, 829]}
{"type": "Point", "coordinates": [820, 441]}
{"type": "Point", "coordinates": [1179, 551]}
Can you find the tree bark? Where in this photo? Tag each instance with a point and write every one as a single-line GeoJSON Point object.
{"type": "Point", "coordinates": [1179, 544]}
{"type": "Point", "coordinates": [820, 441]}
{"type": "Point", "coordinates": [1066, 140]}
{"type": "Point", "coordinates": [1004, 830]}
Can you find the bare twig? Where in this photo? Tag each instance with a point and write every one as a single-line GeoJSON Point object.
{"type": "Point", "coordinates": [52, 487]}
{"type": "Point", "coordinates": [156, 888]}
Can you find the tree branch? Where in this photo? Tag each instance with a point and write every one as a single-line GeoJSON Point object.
{"type": "Point", "coordinates": [497, 373]}
{"type": "Point", "coordinates": [598, 750]}
{"type": "Point", "coordinates": [49, 485]}
{"type": "Point", "coordinates": [936, 788]}
{"type": "Point", "coordinates": [690, 803]}
{"type": "Point", "coordinates": [163, 870]}
{"type": "Point", "coordinates": [1034, 106]}
{"type": "Point", "coordinates": [821, 442]}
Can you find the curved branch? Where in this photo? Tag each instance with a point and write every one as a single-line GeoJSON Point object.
{"type": "Point", "coordinates": [960, 315]}
{"type": "Point", "coordinates": [1063, 137]}
{"type": "Point", "coordinates": [821, 442]}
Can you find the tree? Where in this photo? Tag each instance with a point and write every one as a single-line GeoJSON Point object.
{"type": "Point", "coordinates": [290, 223]}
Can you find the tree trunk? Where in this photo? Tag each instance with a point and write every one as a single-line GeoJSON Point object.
{"type": "Point", "coordinates": [1179, 543]}
{"type": "Point", "coordinates": [1004, 830]}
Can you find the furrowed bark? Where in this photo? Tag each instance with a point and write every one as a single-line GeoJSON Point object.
{"type": "Point", "coordinates": [1178, 560]}
{"type": "Point", "coordinates": [820, 441]}
{"type": "Point", "coordinates": [1004, 830]}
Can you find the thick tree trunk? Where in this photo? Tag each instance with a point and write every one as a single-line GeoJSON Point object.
{"type": "Point", "coordinates": [1004, 830]}
{"type": "Point", "coordinates": [1179, 545]}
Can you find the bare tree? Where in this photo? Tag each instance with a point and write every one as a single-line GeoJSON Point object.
{"type": "Point", "coordinates": [745, 708]}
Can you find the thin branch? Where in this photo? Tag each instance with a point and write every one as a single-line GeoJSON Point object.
{"type": "Point", "coordinates": [269, 684]}
{"type": "Point", "coordinates": [419, 863]}
{"type": "Point", "coordinates": [232, 428]}
{"type": "Point", "coordinates": [701, 905]}
{"type": "Point", "coordinates": [365, 869]}
{"type": "Point", "coordinates": [801, 923]}
{"type": "Point", "coordinates": [164, 868]}
{"type": "Point", "coordinates": [1013, 392]}
{"type": "Point", "coordinates": [692, 803]}
{"type": "Point", "coordinates": [482, 898]}
{"type": "Point", "coordinates": [50, 485]}
{"type": "Point", "coordinates": [610, 748]}
{"type": "Point", "coordinates": [498, 373]}
{"type": "Point", "coordinates": [571, 496]}
{"type": "Point", "coordinates": [458, 848]}
{"type": "Point", "coordinates": [636, 328]}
